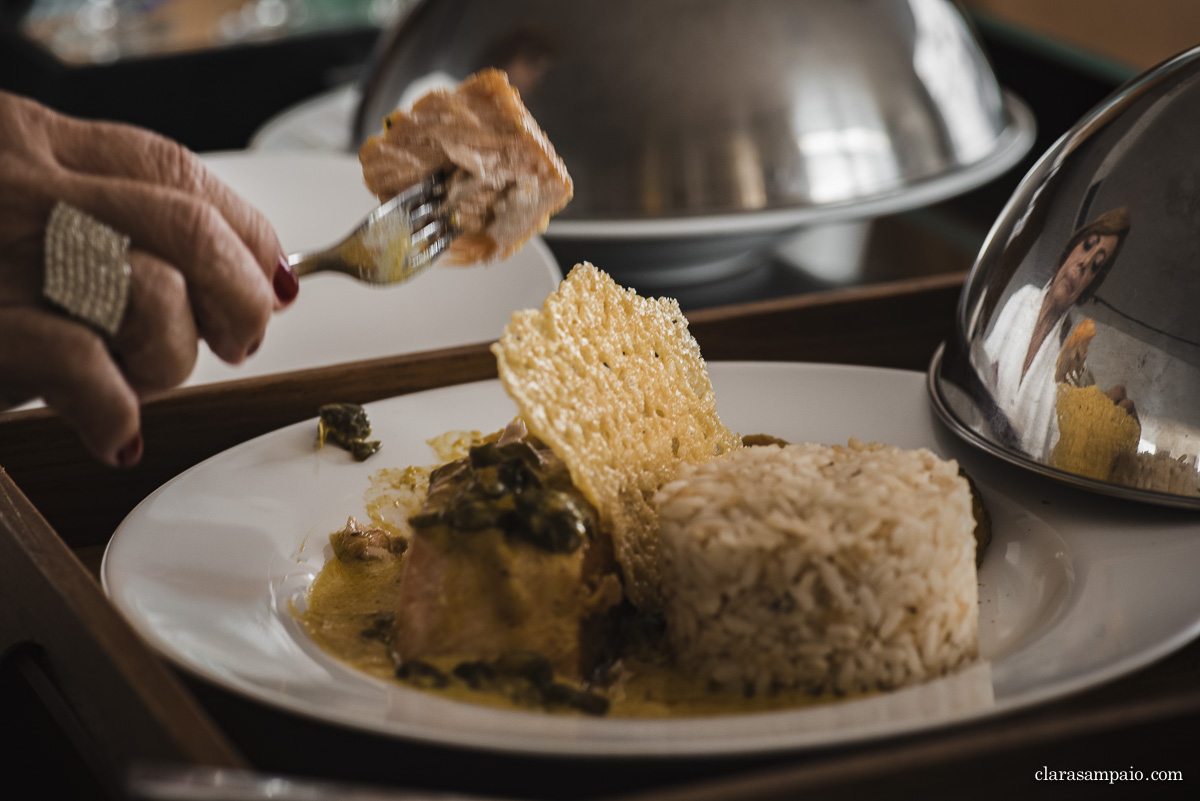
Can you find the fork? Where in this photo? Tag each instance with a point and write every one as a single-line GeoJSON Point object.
{"type": "Point", "coordinates": [394, 243]}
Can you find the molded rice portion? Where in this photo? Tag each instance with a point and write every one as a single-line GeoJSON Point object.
{"type": "Point", "coordinates": [822, 569]}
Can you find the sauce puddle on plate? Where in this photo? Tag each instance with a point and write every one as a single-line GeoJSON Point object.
{"type": "Point", "coordinates": [350, 609]}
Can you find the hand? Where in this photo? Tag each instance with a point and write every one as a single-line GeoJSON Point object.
{"type": "Point", "coordinates": [203, 264]}
{"type": "Point", "coordinates": [1117, 395]}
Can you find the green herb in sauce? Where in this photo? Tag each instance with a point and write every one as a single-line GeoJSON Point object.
{"type": "Point", "coordinates": [507, 487]}
{"type": "Point", "coordinates": [346, 425]}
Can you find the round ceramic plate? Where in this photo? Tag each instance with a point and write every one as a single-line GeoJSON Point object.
{"type": "Point", "coordinates": [1074, 590]}
{"type": "Point", "coordinates": [315, 199]}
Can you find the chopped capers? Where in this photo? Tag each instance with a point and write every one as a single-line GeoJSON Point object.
{"type": "Point", "coordinates": [478, 675]}
{"type": "Point", "coordinates": [484, 455]}
{"type": "Point", "coordinates": [346, 424]}
{"type": "Point", "coordinates": [518, 475]}
{"type": "Point", "coordinates": [527, 678]}
{"type": "Point", "coordinates": [472, 515]}
{"type": "Point", "coordinates": [489, 453]}
{"type": "Point", "coordinates": [490, 481]}
{"type": "Point", "coordinates": [379, 627]}
{"type": "Point", "coordinates": [422, 674]}
{"type": "Point", "coordinates": [758, 440]}
{"type": "Point", "coordinates": [558, 694]}
{"type": "Point", "coordinates": [360, 449]}
{"type": "Point", "coordinates": [345, 421]}
{"type": "Point", "coordinates": [552, 520]}
{"type": "Point", "coordinates": [505, 487]}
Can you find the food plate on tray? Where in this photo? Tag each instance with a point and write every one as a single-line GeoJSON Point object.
{"type": "Point", "coordinates": [1075, 589]}
{"type": "Point", "coordinates": [313, 200]}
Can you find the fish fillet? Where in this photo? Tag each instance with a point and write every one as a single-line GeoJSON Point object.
{"type": "Point", "coordinates": [505, 180]}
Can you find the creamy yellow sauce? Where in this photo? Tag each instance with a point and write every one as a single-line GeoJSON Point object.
{"type": "Point", "coordinates": [346, 600]}
{"type": "Point", "coordinates": [342, 603]}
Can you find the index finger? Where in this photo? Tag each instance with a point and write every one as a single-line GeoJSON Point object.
{"type": "Point", "coordinates": [118, 150]}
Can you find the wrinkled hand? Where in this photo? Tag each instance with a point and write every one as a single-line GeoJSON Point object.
{"type": "Point", "coordinates": [204, 265]}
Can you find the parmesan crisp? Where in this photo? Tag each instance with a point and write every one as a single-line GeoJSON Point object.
{"type": "Point", "coordinates": [615, 385]}
{"type": "Point", "coordinates": [1092, 432]}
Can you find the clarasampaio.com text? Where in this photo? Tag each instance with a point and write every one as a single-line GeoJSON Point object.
{"type": "Point", "coordinates": [1044, 774]}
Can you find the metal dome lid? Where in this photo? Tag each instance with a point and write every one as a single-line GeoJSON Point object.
{"type": "Point", "coordinates": [707, 118]}
{"type": "Point", "coordinates": [1077, 345]}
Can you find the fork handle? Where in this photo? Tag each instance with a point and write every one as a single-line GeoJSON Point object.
{"type": "Point", "coordinates": [320, 261]}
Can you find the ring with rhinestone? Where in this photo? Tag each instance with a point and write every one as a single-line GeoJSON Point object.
{"type": "Point", "coordinates": [87, 268]}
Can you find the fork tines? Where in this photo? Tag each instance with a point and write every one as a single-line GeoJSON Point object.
{"type": "Point", "coordinates": [429, 221]}
{"type": "Point", "coordinates": [395, 242]}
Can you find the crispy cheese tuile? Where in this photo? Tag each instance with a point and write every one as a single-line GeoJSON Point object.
{"type": "Point", "coordinates": [615, 385]}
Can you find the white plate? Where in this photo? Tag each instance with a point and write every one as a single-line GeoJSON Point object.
{"type": "Point", "coordinates": [313, 200]}
{"type": "Point", "coordinates": [1075, 590]}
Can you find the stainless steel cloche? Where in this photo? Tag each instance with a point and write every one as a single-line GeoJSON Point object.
{"type": "Point", "coordinates": [1077, 348]}
{"type": "Point", "coordinates": [698, 128]}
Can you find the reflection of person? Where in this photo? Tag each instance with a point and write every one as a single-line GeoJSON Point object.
{"type": "Point", "coordinates": [1021, 373]}
{"type": "Point", "coordinates": [118, 253]}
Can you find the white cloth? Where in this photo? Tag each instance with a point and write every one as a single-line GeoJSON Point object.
{"type": "Point", "coordinates": [1028, 402]}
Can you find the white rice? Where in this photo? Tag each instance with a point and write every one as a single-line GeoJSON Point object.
{"type": "Point", "coordinates": [820, 569]}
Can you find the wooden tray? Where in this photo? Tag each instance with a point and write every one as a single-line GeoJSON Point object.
{"type": "Point", "coordinates": [113, 703]}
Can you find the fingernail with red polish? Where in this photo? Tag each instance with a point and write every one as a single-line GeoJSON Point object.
{"type": "Point", "coordinates": [131, 454]}
{"type": "Point", "coordinates": [287, 285]}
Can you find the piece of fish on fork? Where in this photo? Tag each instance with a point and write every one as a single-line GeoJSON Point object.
{"type": "Point", "coordinates": [394, 243]}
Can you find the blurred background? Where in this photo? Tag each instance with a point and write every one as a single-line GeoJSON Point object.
{"type": "Point", "coordinates": [214, 73]}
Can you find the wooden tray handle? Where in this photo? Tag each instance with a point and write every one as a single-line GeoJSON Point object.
{"type": "Point", "coordinates": [116, 701]}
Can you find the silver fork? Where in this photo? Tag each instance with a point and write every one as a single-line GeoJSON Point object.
{"type": "Point", "coordinates": [394, 243]}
